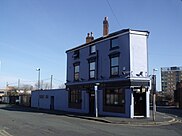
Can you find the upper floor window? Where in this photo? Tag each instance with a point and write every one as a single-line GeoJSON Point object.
{"type": "Point", "coordinates": [114, 43]}
{"type": "Point", "coordinates": [76, 54]}
{"type": "Point", "coordinates": [92, 49]}
{"type": "Point", "coordinates": [76, 72]}
{"type": "Point", "coordinates": [114, 66]}
{"type": "Point", "coordinates": [92, 70]}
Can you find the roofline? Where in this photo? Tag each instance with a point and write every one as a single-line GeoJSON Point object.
{"type": "Point", "coordinates": [111, 35]}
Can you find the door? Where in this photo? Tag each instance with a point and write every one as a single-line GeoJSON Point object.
{"type": "Point", "coordinates": [139, 103]}
{"type": "Point", "coordinates": [52, 103]}
{"type": "Point", "coordinates": [92, 102]}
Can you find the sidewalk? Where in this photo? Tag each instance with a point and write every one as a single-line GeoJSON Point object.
{"type": "Point", "coordinates": [161, 118]}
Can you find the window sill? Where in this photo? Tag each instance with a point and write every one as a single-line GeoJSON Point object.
{"type": "Point", "coordinates": [114, 105]}
{"type": "Point", "coordinates": [114, 76]}
{"type": "Point", "coordinates": [91, 79]}
{"type": "Point", "coordinates": [114, 48]}
{"type": "Point", "coordinates": [92, 53]}
{"type": "Point", "coordinates": [76, 81]}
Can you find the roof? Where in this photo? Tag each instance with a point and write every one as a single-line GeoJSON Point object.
{"type": "Point", "coordinates": [123, 31]}
{"type": "Point", "coordinates": [174, 68]}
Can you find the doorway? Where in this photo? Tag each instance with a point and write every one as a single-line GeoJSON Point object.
{"type": "Point", "coordinates": [91, 102]}
{"type": "Point", "coordinates": [52, 103]}
{"type": "Point", "coordinates": [139, 103]}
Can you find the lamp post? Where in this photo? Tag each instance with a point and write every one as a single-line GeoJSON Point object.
{"type": "Point", "coordinates": [154, 92]}
{"type": "Point", "coordinates": [38, 69]}
{"type": "Point", "coordinates": [38, 81]}
{"type": "Point", "coordinates": [96, 99]}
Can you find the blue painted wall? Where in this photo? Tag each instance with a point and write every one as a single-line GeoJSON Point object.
{"type": "Point", "coordinates": [60, 100]}
{"type": "Point", "coordinates": [103, 49]}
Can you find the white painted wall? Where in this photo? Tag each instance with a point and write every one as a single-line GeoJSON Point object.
{"type": "Point", "coordinates": [148, 104]}
{"type": "Point", "coordinates": [132, 104]}
{"type": "Point", "coordinates": [138, 54]}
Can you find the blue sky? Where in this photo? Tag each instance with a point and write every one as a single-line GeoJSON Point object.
{"type": "Point", "coordinates": [36, 33]}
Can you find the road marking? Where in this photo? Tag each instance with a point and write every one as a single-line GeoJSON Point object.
{"type": "Point", "coordinates": [4, 133]}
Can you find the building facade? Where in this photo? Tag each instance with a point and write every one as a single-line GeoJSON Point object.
{"type": "Point", "coordinates": [178, 94]}
{"type": "Point", "coordinates": [117, 64]}
{"type": "Point", "coordinates": [169, 77]}
{"type": "Point", "coordinates": [55, 99]}
{"type": "Point", "coordinates": [1, 94]}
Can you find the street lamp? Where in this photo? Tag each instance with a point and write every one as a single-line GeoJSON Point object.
{"type": "Point", "coordinates": [154, 70]}
{"type": "Point", "coordinates": [154, 92]}
{"type": "Point", "coordinates": [38, 69]}
{"type": "Point", "coordinates": [96, 99]}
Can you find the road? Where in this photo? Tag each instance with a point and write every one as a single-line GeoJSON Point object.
{"type": "Point", "coordinates": [171, 110]}
{"type": "Point", "coordinates": [18, 121]}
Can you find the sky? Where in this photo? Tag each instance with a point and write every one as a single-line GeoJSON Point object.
{"type": "Point", "coordinates": [36, 33]}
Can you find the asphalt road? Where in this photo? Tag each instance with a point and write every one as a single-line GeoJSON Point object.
{"type": "Point", "coordinates": [24, 122]}
{"type": "Point", "coordinates": [171, 110]}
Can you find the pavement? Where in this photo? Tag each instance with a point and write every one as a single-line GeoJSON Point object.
{"type": "Point", "coordinates": [160, 118]}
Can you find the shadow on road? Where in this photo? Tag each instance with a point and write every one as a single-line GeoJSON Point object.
{"type": "Point", "coordinates": [12, 107]}
{"type": "Point", "coordinates": [19, 108]}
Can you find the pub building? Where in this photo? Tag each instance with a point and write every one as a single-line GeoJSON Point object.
{"type": "Point", "coordinates": [117, 63]}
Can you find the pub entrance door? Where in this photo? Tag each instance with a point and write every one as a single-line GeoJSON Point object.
{"type": "Point", "coordinates": [139, 103]}
{"type": "Point", "coordinates": [92, 102]}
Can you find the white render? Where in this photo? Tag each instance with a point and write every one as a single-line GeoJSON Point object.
{"type": "Point", "coordinates": [138, 53]}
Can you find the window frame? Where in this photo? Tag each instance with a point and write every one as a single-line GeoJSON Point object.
{"type": "Point", "coordinates": [76, 54]}
{"type": "Point", "coordinates": [75, 99]}
{"type": "Point", "coordinates": [114, 66]}
{"type": "Point", "coordinates": [76, 72]}
{"type": "Point", "coordinates": [111, 43]}
{"type": "Point", "coordinates": [75, 96]}
{"type": "Point", "coordinates": [91, 49]}
{"type": "Point", "coordinates": [92, 70]}
{"type": "Point", "coordinates": [112, 95]}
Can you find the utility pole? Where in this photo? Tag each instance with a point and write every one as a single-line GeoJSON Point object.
{"type": "Point", "coordinates": [154, 93]}
{"type": "Point", "coordinates": [19, 85]}
{"type": "Point", "coordinates": [51, 81]}
{"type": "Point", "coordinates": [38, 69]}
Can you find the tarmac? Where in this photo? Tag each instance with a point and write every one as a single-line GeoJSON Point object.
{"type": "Point", "coordinates": [160, 118]}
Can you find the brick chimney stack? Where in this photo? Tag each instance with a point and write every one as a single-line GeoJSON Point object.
{"type": "Point", "coordinates": [105, 26]}
{"type": "Point", "coordinates": [89, 37]}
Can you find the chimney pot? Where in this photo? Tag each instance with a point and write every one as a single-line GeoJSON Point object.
{"type": "Point", "coordinates": [92, 36]}
{"type": "Point", "coordinates": [105, 26]}
{"type": "Point", "coordinates": [89, 37]}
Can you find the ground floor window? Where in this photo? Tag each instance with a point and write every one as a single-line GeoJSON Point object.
{"type": "Point", "coordinates": [75, 99]}
{"type": "Point", "coordinates": [114, 100]}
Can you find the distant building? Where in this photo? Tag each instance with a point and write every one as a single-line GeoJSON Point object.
{"type": "Point", "coordinates": [169, 77]}
{"type": "Point", "coordinates": [1, 94]}
{"type": "Point", "coordinates": [178, 94]}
